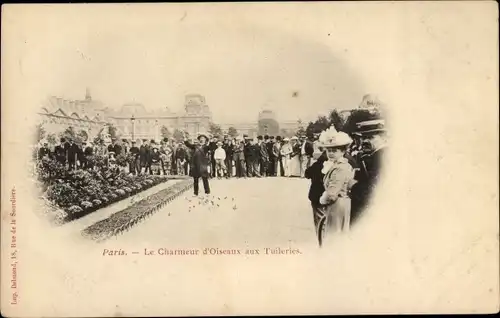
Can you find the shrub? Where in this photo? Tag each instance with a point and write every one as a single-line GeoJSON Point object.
{"type": "Point", "coordinates": [74, 209]}
{"type": "Point", "coordinates": [96, 202]}
{"type": "Point", "coordinates": [86, 205]}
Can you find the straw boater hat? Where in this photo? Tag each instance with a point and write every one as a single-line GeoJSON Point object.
{"type": "Point", "coordinates": [333, 138]}
{"type": "Point", "coordinates": [294, 138]}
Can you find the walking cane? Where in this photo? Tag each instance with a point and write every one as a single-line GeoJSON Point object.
{"type": "Point", "coordinates": [322, 227]}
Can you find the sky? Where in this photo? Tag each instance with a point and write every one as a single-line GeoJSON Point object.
{"type": "Point", "coordinates": [239, 64]}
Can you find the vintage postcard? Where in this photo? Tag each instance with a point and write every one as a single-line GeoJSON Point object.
{"type": "Point", "coordinates": [289, 158]}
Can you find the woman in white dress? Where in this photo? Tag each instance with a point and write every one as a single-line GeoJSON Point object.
{"type": "Point", "coordinates": [338, 180]}
{"type": "Point", "coordinates": [295, 157]}
{"type": "Point", "coordinates": [285, 152]}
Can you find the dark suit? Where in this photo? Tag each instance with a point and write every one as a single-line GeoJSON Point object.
{"type": "Point", "coordinates": [305, 159]}
{"type": "Point", "coordinates": [317, 187]}
{"type": "Point", "coordinates": [145, 158]}
{"type": "Point", "coordinates": [134, 165]}
{"type": "Point", "coordinates": [73, 154]}
{"type": "Point", "coordinates": [272, 159]}
{"type": "Point", "coordinates": [43, 152]}
{"type": "Point", "coordinates": [367, 177]}
{"type": "Point", "coordinates": [60, 154]}
{"type": "Point", "coordinates": [229, 149]}
{"type": "Point", "coordinates": [212, 146]}
{"type": "Point", "coordinates": [253, 159]}
{"type": "Point", "coordinates": [264, 159]}
{"type": "Point", "coordinates": [199, 166]}
{"type": "Point", "coordinates": [116, 148]}
{"type": "Point", "coordinates": [239, 160]}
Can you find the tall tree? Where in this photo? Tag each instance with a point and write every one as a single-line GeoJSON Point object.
{"type": "Point", "coordinates": [336, 120]}
{"type": "Point", "coordinates": [51, 139]}
{"type": "Point", "coordinates": [178, 135]}
{"type": "Point", "coordinates": [317, 126]}
{"type": "Point", "coordinates": [70, 133]}
{"type": "Point", "coordinates": [215, 129]}
{"type": "Point", "coordinates": [231, 131]}
{"type": "Point", "coordinates": [165, 133]}
{"type": "Point", "coordinates": [113, 132]}
{"type": "Point", "coordinates": [39, 133]}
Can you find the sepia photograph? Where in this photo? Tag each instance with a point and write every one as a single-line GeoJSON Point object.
{"type": "Point", "coordinates": [249, 158]}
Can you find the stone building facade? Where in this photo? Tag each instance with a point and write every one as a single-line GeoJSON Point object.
{"type": "Point", "coordinates": [91, 118]}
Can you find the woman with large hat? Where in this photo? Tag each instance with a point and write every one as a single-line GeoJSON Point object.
{"type": "Point", "coordinates": [337, 181]}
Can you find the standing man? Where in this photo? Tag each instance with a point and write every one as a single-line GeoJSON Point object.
{"type": "Point", "coordinates": [73, 154]}
{"type": "Point", "coordinates": [60, 152]}
{"type": "Point", "coordinates": [253, 158]}
{"type": "Point", "coordinates": [239, 158]}
{"type": "Point", "coordinates": [366, 178]}
{"type": "Point", "coordinates": [145, 156]}
{"type": "Point", "coordinates": [134, 161]}
{"type": "Point", "coordinates": [276, 150]}
{"type": "Point", "coordinates": [247, 155]}
{"type": "Point", "coordinates": [263, 156]}
{"type": "Point", "coordinates": [229, 150]}
{"type": "Point", "coordinates": [306, 152]}
{"type": "Point", "coordinates": [180, 157]}
{"type": "Point", "coordinates": [82, 157]}
{"type": "Point", "coordinates": [125, 146]}
{"type": "Point", "coordinates": [44, 151]}
{"type": "Point", "coordinates": [272, 157]}
{"type": "Point", "coordinates": [199, 163]}
{"type": "Point", "coordinates": [212, 146]}
{"type": "Point", "coordinates": [114, 147]}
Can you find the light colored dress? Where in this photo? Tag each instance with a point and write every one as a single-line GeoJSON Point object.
{"type": "Point", "coordinates": [337, 179]}
{"type": "Point", "coordinates": [295, 165]}
{"type": "Point", "coordinates": [286, 150]}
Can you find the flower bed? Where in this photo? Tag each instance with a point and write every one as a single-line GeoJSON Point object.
{"type": "Point", "coordinates": [123, 220]}
{"type": "Point", "coordinates": [81, 192]}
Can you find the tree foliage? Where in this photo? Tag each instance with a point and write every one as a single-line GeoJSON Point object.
{"type": "Point", "coordinates": [165, 133]}
{"type": "Point", "coordinates": [232, 132]}
{"type": "Point", "coordinates": [178, 135]}
{"type": "Point", "coordinates": [215, 129]}
{"type": "Point", "coordinates": [39, 133]}
{"type": "Point", "coordinates": [113, 132]}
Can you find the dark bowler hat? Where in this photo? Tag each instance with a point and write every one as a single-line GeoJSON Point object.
{"type": "Point", "coordinates": [165, 139]}
{"type": "Point", "coordinates": [144, 140]}
{"type": "Point", "coordinates": [370, 127]}
{"type": "Point", "coordinates": [278, 138]}
{"type": "Point", "coordinates": [259, 137]}
{"type": "Point", "coordinates": [266, 137]}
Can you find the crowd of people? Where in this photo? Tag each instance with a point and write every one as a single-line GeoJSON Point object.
{"type": "Point", "coordinates": [239, 157]}
{"type": "Point", "coordinates": [343, 168]}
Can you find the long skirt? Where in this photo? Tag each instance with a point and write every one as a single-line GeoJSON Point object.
{"type": "Point", "coordinates": [294, 166]}
{"type": "Point", "coordinates": [286, 166]}
{"type": "Point", "coordinates": [336, 220]}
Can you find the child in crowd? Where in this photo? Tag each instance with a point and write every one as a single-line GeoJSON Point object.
{"type": "Point", "coordinates": [220, 157]}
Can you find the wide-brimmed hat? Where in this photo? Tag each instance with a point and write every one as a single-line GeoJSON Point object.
{"type": "Point", "coordinates": [286, 139]}
{"type": "Point", "coordinates": [370, 127]}
{"type": "Point", "coordinates": [333, 138]}
{"type": "Point", "coordinates": [294, 138]}
{"type": "Point", "coordinates": [202, 135]}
